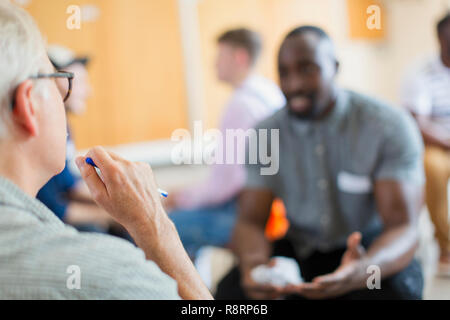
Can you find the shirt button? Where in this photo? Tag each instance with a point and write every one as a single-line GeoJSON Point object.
{"type": "Point", "coordinates": [322, 184]}
{"type": "Point", "coordinates": [320, 150]}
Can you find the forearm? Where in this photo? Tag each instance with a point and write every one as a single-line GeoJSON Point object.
{"type": "Point", "coordinates": [169, 254]}
{"type": "Point", "coordinates": [392, 251]}
{"type": "Point", "coordinates": [432, 133]}
{"type": "Point", "coordinates": [251, 245]}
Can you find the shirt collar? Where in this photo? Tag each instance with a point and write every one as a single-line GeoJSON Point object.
{"type": "Point", "coordinates": [12, 195]}
{"type": "Point", "coordinates": [337, 116]}
{"type": "Point", "coordinates": [249, 81]}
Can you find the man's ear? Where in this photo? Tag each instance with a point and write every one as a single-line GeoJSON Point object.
{"type": "Point", "coordinates": [24, 109]}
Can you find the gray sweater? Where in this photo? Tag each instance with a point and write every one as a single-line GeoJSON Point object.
{"type": "Point", "coordinates": [41, 258]}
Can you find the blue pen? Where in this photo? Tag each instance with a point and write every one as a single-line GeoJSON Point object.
{"type": "Point", "coordinates": [91, 162]}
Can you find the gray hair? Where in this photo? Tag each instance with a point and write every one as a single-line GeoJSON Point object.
{"type": "Point", "coordinates": [21, 54]}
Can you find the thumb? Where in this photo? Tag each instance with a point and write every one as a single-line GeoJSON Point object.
{"type": "Point", "coordinates": [354, 240]}
{"type": "Point", "coordinates": [354, 248]}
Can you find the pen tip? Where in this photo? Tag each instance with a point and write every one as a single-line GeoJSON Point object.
{"type": "Point", "coordinates": [90, 162]}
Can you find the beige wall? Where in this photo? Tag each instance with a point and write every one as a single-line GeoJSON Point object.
{"type": "Point", "coordinates": [378, 68]}
{"type": "Point", "coordinates": [136, 71]}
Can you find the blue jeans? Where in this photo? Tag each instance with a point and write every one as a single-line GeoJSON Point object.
{"type": "Point", "coordinates": [205, 226]}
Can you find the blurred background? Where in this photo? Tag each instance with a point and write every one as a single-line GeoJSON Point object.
{"type": "Point", "coordinates": [152, 67]}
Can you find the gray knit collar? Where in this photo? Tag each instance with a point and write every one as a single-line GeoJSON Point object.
{"type": "Point", "coordinates": [11, 195]}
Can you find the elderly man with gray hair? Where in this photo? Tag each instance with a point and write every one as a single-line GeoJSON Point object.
{"type": "Point", "coordinates": [40, 257]}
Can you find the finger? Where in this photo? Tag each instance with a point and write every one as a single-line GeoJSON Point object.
{"type": "Point", "coordinates": [115, 156]}
{"type": "Point", "coordinates": [104, 162]}
{"type": "Point", "coordinates": [327, 280]}
{"type": "Point", "coordinates": [93, 181]}
{"type": "Point", "coordinates": [326, 292]}
{"type": "Point", "coordinates": [308, 286]}
{"type": "Point", "coordinates": [354, 244]}
{"type": "Point", "coordinates": [301, 288]}
{"type": "Point", "coordinates": [291, 289]}
{"type": "Point", "coordinates": [354, 240]}
{"type": "Point", "coordinates": [321, 293]}
{"type": "Point", "coordinates": [312, 291]}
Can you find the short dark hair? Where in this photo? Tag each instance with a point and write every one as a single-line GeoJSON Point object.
{"type": "Point", "coordinates": [245, 39]}
{"type": "Point", "coordinates": [305, 29]}
{"type": "Point", "coordinates": [321, 35]}
{"type": "Point", "coordinates": [443, 22]}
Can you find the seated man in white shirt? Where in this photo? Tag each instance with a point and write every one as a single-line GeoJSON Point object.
{"type": "Point", "coordinates": [426, 93]}
{"type": "Point", "coordinates": [36, 248]}
{"type": "Point", "coordinates": [205, 214]}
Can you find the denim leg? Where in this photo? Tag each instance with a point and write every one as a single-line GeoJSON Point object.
{"type": "Point", "coordinates": [205, 226]}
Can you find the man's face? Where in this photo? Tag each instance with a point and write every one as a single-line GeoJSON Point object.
{"type": "Point", "coordinates": [226, 62]}
{"type": "Point", "coordinates": [307, 69]}
{"type": "Point", "coordinates": [51, 117]}
{"type": "Point", "coordinates": [444, 41]}
{"type": "Point", "coordinates": [81, 89]}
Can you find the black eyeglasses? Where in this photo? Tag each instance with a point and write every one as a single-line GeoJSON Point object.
{"type": "Point", "coordinates": [59, 74]}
